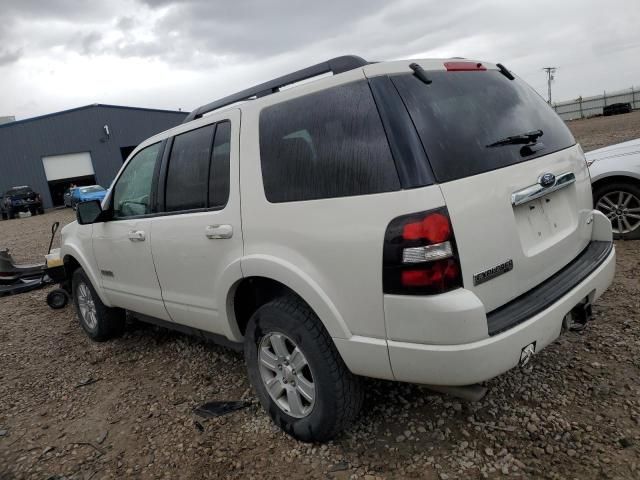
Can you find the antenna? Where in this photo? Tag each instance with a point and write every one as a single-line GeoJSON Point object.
{"type": "Point", "coordinates": [551, 71]}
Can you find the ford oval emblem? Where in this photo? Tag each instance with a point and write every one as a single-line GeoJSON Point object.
{"type": "Point", "coordinates": [547, 180]}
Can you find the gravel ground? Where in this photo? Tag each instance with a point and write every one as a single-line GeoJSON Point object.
{"type": "Point", "coordinates": [71, 408]}
{"type": "Point", "coordinates": [599, 132]}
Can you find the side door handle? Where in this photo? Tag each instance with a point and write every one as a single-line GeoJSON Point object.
{"type": "Point", "coordinates": [136, 236]}
{"type": "Point", "coordinates": [216, 232]}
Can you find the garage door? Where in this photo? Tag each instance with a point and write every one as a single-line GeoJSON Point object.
{"type": "Point", "coordinates": [57, 167]}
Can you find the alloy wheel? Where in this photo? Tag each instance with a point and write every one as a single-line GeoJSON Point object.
{"type": "Point", "coordinates": [87, 306]}
{"type": "Point", "coordinates": [286, 375]}
{"type": "Point", "coordinates": [623, 209]}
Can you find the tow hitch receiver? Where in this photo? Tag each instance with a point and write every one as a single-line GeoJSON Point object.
{"type": "Point", "coordinates": [526, 354]}
{"type": "Point", "coordinates": [576, 320]}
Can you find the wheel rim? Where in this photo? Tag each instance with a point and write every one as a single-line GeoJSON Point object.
{"type": "Point", "coordinates": [623, 209]}
{"type": "Point", "coordinates": [286, 375]}
{"type": "Point", "coordinates": [87, 306]}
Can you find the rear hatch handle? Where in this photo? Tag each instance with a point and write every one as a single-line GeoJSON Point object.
{"type": "Point", "coordinates": [547, 183]}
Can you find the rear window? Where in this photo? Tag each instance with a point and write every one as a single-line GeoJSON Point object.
{"type": "Point", "coordinates": [460, 113]}
{"type": "Point", "coordinates": [187, 176]}
{"type": "Point", "coordinates": [325, 144]}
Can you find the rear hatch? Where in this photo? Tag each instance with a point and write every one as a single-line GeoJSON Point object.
{"type": "Point", "coordinates": [515, 183]}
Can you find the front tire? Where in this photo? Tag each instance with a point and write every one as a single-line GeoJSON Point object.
{"type": "Point", "coordinates": [100, 322]}
{"type": "Point", "coordinates": [620, 202]}
{"type": "Point", "coordinates": [298, 374]}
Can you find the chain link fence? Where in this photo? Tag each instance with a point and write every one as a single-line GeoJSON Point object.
{"type": "Point", "coordinates": [584, 107]}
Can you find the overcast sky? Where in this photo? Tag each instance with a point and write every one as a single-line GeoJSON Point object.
{"type": "Point", "coordinates": [59, 54]}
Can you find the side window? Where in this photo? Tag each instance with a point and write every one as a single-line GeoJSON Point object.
{"type": "Point", "coordinates": [325, 144]}
{"type": "Point", "coordinates": [186, 186]}
{"type": "Point", "coordinates": [132, 192]}
{"type": "Point", "coordinates": [219, 173]}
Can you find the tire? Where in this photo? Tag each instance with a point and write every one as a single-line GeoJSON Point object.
{"type": "Point", "coordinates": [40, 211]}
{"type": "Point", "coordinates": [57, 299]}
{"type": "Point", "coordinates": [336, 394]}
{"type": "Point", "coordinates": [4, 215]}
{"type": "Point", "coordinates": [33, 212]}
{"type": "Point", "coordinates": [606, 198]}
{"type": "Point", "coordinates": [12, 215]}
{"type": "Point", "coordinates": [100, 322]}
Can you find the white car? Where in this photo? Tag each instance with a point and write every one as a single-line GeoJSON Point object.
{"type": "Point", "coordinates": [423, 221]}
{"type": "Point", "coordinates": [615, 178]}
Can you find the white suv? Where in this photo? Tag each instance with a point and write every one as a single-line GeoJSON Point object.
{"type": "Point", "coordinates": [422, 221]}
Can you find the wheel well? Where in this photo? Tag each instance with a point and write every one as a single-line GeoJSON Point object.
{"type": "Point", "coordinates": [70, 266]}
{"type": "Point", "coordinates": [252, 293]}
{"type": "Point", "coordinates": [614, 179]}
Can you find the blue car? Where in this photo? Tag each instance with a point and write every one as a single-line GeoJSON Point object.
{"type": "Point", "coordinates": [86, 194]}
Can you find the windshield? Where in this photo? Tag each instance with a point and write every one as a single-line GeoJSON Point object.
{"type": "Point", "coordinates": [461, 116]}
{"type": "Point", "coordinates": [93, 189]}
{"type": "Point", "coordinates": [20, 191]}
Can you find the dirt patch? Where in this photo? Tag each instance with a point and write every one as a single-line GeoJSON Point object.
{"type": "Point", "coordinates": [600, 132]}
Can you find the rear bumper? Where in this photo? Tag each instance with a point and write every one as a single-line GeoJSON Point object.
{"type": "Point", "coordinates": [447, 339]}
{"type": "Point", "coordinates": [483, 359]}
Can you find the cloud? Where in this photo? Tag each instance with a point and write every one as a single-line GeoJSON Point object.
{"type": "Point", "coordinates": [167, 53]}
{"type": "Point", "coordinates": [9, 56]}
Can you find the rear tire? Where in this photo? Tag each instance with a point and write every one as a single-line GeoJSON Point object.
{"type": "Point", "coordinates": [318, 400]}
{"type": "Point", "coordinates": [100, 322]}
{"type": "Point", "coordinates": [4, 215]}
{"type": "Point", "coordinates": [12, 215]}
{"type": "Point", "coordinates": [40, 211]}
{"type": "Point", "coordinates": [606, 198]}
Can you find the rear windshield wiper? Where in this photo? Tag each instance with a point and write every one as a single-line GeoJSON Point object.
{"type": "Point", "coordinates": [521, 139]}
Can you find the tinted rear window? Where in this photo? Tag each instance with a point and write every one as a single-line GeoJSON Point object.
{"type": "Point", "coordinates": [219, 174]}
{"type": "Point", "coordinates": [188, 173]}
{"type": "Point", "coordinates": [460, 113]}
{"type": "Point", "coordinates": [325, 144]}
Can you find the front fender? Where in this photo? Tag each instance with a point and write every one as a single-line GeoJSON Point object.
{"type": "Point", "coordinates": [294, 278]}
{"type": "Point", "coordinates": [76, 244]}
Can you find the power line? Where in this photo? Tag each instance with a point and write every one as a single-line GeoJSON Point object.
{"type": "Point", "coordinates": [551, 71]}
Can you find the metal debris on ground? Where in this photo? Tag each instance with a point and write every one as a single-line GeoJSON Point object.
{"type": "Point", "coordinates": [218, 408]}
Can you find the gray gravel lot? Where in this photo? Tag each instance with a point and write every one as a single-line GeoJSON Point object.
{"type": "Point", "coordinates": [71, 408]}
{"type": "Point", "coordinates": [574, 414]}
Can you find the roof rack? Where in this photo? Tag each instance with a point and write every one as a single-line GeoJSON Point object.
{"type": "Point", "coordinates": [336, 65]}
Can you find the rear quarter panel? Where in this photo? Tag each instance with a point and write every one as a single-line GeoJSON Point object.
{"type": "Point", "coordinates": [330, 249]}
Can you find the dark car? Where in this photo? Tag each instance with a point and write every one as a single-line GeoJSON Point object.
{"type": "Point", "coordinates": [616, 109]}
{"type": "Point", "coordinates": [20, 199]}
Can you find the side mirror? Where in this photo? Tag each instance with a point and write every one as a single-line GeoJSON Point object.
{"type": "Point", "coordinates": [88, 212]}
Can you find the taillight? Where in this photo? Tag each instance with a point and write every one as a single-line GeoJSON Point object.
{"type": "Point", "coordinates": [420, 256]}
{"type": "Point", "coordinates": [464, 67]}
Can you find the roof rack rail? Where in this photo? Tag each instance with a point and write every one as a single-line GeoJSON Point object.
{"type": "Point", "coordinates": [336, 65]}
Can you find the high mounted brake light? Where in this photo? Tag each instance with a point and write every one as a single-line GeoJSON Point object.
{"type": "Point", "coordinates": [464, 67]}
{"type": "Point", "coordinates": [420, 256]}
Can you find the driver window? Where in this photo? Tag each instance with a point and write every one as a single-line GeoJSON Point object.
{"type": "Point", "coordinates": [132, 192]}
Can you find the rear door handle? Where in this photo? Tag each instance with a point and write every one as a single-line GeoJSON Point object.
{"type": "Point", "coordinates": [216, 232]}
{"type": "Point", "coordinates": [136, 236]}
{"type": "Point", "coordinates": [536, 191]}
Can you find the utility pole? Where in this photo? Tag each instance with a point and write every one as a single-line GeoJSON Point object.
{"type": "Point", "coordinates": [550, 77]}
